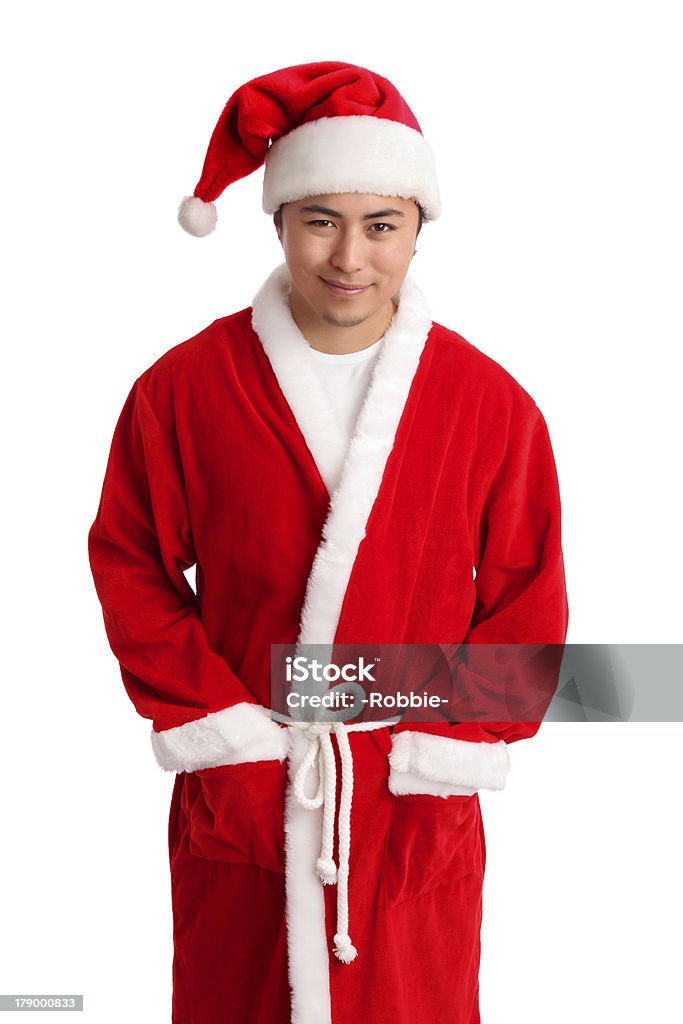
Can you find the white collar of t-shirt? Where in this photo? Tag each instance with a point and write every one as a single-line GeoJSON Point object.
{"type": "Point", "coordinates": [347, 358]}
{"type": "Point", "coordinates": [346, 378]}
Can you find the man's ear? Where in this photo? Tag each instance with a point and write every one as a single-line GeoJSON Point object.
{"type": "Point", "coordinates": [277, 227]}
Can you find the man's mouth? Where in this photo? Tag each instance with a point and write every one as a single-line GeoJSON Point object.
{"type": "Point", "coordinates": [339, 288]}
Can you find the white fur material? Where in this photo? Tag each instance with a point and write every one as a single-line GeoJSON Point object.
{"type": "Point", "coordinates": [369, 449]}
{"type": "Point", "coordinates": [406, 783]}
{"type": "Point", "coordinates": [350, 505]}
{"type": "Point", "coordinates": [290, 356]}
{"type": "Point", "coordinates": [442, 759]}
{"type": "Point", "coordinates": [355, 153]}
{"type": "Point", "coordinates": [235, 735]}
{"type": "Point", "coordinates": [197, 217]}
{"type": "Point", "coordinates": [363, 466]}
{"type": "Point", "coordinates": [307, 951]}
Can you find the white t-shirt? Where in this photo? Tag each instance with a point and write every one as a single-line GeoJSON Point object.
{"type": "Point", "coordinates": [346, 379]}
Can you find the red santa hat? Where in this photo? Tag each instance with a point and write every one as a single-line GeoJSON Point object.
{"type": "Point", "coordinates": [320, 128]}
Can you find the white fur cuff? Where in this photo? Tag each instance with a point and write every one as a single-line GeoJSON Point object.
{"type": "Point", "coordinates": [439, 759]}
{"type": "Point", "coordinates": [235, 735]}
{"type": "Point", "coordinates": [406, 783]}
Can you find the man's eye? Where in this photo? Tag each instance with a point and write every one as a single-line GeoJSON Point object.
{"type": "Point", "coordinates": [378, 225]}
{"type": "Point", "coordinates": [316, 222]}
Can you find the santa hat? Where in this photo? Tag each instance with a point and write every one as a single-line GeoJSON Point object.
{"type": "Point", "coordinates": [320, 128]}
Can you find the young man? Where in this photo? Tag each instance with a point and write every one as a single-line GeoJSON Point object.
{"type": "Point", "coordinates": [341, 470]}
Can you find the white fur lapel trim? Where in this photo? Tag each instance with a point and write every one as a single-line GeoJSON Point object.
{"type": "Point", "coordinates": [307, 952]}
{"type": "Point", "coordinates": [363, 466]}
{"type": "Point", "coordinates": [290, 356]}
{"type": "Point", "coordinates": [351, 502]}
{"type": "Point", "coordinates": [372, 441]}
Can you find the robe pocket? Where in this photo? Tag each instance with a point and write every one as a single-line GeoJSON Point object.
{"type": "Point", "coordinates": [432, 842]}
{"type": "Point", "coordinates": [237, 813]}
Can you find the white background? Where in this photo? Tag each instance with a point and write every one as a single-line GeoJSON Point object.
{"type": "Point", "coordinates": [556, 131]}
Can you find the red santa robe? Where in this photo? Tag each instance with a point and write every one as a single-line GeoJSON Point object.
{"type": "Point", "coordinates": [443, 528]}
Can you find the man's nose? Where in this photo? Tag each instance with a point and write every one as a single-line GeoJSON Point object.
{"type": "Point", "coordinates": [348, 251]}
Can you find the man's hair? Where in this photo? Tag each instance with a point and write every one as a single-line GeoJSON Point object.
{"type": "Point", "coordinates": [420, 217]}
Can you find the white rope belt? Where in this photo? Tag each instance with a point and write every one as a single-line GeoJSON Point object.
{"type": "Point", "coordinates": [320, 747]}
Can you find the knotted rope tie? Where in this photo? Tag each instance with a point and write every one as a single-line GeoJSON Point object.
{"type": "Point", "coordinates": [320, 748]}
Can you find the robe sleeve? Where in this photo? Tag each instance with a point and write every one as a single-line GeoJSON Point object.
{"type": "Point", "coordinates": [139, 546]}
{"type": "Point", "coordinates": [520, 600]}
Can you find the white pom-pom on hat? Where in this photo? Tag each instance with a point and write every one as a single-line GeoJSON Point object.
{"type": "Point", "coordinates": [197, 217]}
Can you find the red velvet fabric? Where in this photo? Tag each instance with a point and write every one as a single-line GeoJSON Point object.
{"type": "Point", "coordinates": [208, 465]}
{"type": "Point", "coordinates": [415, 893]}
{"type": "Point", "coordinates": [271, 105]}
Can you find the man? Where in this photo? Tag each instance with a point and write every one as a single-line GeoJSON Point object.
{"type": "Point", "coordinates": [342, 470]}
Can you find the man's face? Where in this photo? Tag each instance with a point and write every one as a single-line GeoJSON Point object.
{"type": "Point", "coordinates": [351, 239]}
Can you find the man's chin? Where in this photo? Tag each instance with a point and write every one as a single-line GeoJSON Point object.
{"type": "Point", "coordinates": [349, 321]}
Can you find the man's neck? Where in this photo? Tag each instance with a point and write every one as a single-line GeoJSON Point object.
{"type": "Point", "coordinates": [340, 340]}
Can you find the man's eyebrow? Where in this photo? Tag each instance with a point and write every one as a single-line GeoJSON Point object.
{"type": "Point", "coordinates": [389, 212]}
